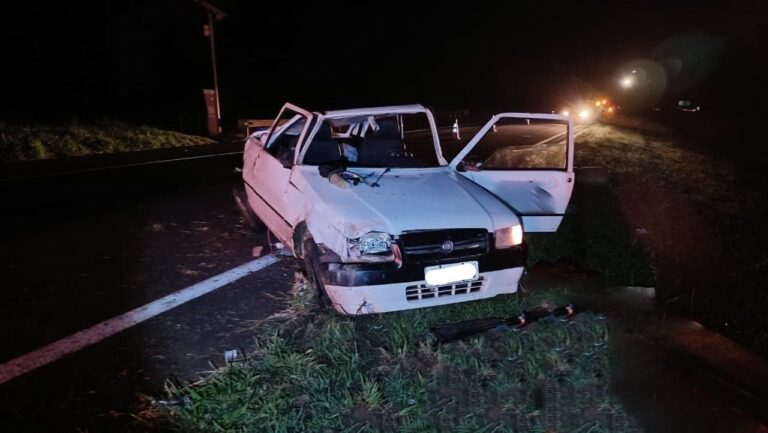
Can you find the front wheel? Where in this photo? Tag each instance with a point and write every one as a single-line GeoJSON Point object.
{"type": "Point", "coordinates": [311, 256]}
{"type": "Point", "coordinates": [241, 201]}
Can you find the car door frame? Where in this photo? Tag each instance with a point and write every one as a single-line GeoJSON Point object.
{"type": "Point", "coordinates": [268, 182]}
{"type": "Point", "coordinates": [532, 221]}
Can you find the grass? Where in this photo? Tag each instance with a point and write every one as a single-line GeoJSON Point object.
{"type": "Point", "coordinates": [673, 216]}
{"type": "Point", "coordinates": [25, 142]}
{"type": "Point", "coordinates": [325, 373]}
{"type": "Point", "coordinates": [715, 186]}
{"type": "Point", "coordinates": [601, 231]}
{"type": "Point", "coordinates": [596, 237]}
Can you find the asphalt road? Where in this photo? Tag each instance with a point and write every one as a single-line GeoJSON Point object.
{"type": "Point", "coordinates": [82, 248]}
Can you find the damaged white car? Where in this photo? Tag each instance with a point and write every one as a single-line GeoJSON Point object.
{"type": "Point", "coordinates": [384, 222]}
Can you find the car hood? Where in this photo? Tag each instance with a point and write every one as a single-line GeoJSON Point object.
{"type": "Point", "coordinates": [406, 199]}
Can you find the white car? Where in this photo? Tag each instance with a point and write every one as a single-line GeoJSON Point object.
{"type": "Point", "coordinates": [384, 222]}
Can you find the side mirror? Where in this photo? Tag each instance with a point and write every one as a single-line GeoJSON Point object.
{"type": "Point", "coordinates": [261, 136]}
{"type": "Point", "coordinates": [460, 167]}
{"type": "Point", "coordinates": [253, 141]}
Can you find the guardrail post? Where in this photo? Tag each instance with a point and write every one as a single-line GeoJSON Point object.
{"type": "Point", "coordinates": [455, 129]}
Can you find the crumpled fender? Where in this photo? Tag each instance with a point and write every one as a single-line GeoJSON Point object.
{"type": "Point", "coordinates": [332, 234]}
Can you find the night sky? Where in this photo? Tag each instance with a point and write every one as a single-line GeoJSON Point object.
{"type": "Point", "coordinates": [148, 60]}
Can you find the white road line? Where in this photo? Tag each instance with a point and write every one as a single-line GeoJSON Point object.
{"type": "Point", "coordinates": [577, 130]}
{"type": "Point", "coordinates": [547, 139]}
{"type": "Point", "coordinates": [526, 147]}
{"type": "Point", "coordinates": [47, 354]}
{"type": "Point", "coordinates": [112, 167]}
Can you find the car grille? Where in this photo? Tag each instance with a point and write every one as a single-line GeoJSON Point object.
{"type": "Point", "coordinates": [426, 247]}
{"type": "Point", "coordinates": [421, 291]}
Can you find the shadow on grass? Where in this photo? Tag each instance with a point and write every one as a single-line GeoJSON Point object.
{"type": "Point", "coordinates": [594, 237]}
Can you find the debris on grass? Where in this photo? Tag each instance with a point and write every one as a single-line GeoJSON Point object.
{"type": "Point", "coordinates": [231, 356]}
{"type": "Point", "coordinates": [467, 328]}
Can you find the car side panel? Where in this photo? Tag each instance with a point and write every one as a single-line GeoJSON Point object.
{"type": "Point", "coordinates": [265, 181]}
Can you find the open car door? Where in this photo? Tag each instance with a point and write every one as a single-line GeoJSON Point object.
{"type": "Point", "coordinates": [270, 191]}
{"type": "Point", "coordinates": [526, 160]}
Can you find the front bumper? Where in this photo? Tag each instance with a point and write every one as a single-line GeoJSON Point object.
{"type": "Point", "coordinates": [364, 288]}
{"type": "Point", "coordinates": [382, 298]}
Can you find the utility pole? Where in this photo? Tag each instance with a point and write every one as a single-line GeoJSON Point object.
{"type": "Point", "coordinates": [212, 98]}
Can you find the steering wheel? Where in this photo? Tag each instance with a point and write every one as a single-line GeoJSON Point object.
{"type": "Point", "coordinates": [394, 150]}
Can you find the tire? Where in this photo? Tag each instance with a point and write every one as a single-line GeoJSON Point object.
{"type": "Point", "coordinates": [310, 257]}
{"type": "Point", "coordinates": [241, 201]}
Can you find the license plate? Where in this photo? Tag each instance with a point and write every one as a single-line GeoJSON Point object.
{"type": "Point", "coordinates": [448, 274]}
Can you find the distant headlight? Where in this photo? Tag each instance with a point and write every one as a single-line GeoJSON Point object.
{"type": "Point", "coordinates": [509, 237]}
{"type": "Point", "coordinates": [374, 243]}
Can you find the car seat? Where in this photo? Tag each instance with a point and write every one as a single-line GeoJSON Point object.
{"type": "Point", "coordinates": [323, 148]}
{"type": "Point", "coordinates": [385, 143]}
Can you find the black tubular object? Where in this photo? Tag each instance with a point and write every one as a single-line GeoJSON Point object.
{"type": "Point", "coordinates": [466, 328]}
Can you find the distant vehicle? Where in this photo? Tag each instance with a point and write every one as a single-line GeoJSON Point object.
{"type": "Point", "coordinates": [384, 222]}
{"type": "Point", "coordinates": [686, 105]}
{"type": "Point", "coordinates": [588, 111]}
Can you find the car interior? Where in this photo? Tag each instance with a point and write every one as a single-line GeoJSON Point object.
{"type": "Point", "coordinates": [380, 145]}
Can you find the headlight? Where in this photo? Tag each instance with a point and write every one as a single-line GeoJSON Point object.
{"type": "Point", "coordinates": [509, 237]}
{"type": "Point", "coordinates": [374, 243]}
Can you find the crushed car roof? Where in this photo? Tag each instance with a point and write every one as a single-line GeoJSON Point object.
{"type": "Point", "coordinates": [413, 108]}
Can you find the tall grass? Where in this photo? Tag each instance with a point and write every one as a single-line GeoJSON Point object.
{"type": "Point", "coordinates": [23, 142]}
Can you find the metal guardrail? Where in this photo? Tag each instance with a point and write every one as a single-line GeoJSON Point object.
{"type": "Point", "coordinates": [248, 124]}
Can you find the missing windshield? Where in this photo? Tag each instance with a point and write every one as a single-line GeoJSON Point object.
{"type": "Point", "coordinates": [402, 140]}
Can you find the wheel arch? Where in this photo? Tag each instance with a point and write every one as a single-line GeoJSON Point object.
{"type": "Point", "coordinates": [300, 235]}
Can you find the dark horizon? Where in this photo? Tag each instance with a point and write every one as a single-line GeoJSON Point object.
{"type": "Point", "coordinates": [130, 59]}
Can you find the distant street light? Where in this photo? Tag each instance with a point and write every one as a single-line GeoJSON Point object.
{"type": "Point", "coordinates": [627, 82]}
